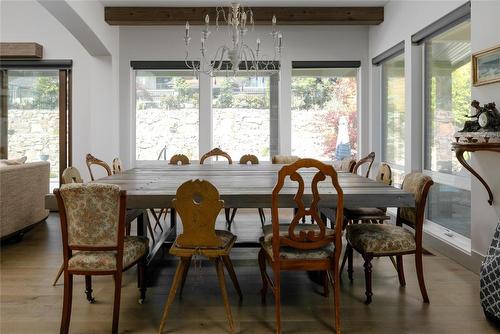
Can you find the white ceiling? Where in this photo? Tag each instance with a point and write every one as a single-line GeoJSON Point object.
{"type": "Point", "coordinates": [253, 3]}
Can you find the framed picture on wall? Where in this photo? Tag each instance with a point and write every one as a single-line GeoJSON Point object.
{"type": "Point", "coordinates": [486, 66]}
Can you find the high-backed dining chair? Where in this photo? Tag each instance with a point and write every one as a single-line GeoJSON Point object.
{"type": "Point", "coordinates": [284, 159]}
{"type": "Point", "coordinates": [366, 160]}
{"type": "Point", "coordinates": [179, 159]}
{"type": "Point", "coordinates": [377, 240]}
{"type": "Point", "coordinates": [69, 175]}
{"type": "Point", "coordinates": [253, 160]}
{"type": "Point", "coordinates": [117, 166]}
{"type": "Point", "coordinates": [198, 204]}
{"type": "Point", "coordinates": [347, 165]}
{"type": "Point", "coordinates": [94, 243]}
{"type": "Point", "coordinates": [216, 152]}
{"type": "Point", "coordinates": [91, 160]}
{"type": "Point", "coordinates": [308, 247]}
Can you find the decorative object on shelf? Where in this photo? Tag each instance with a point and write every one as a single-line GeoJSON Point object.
{"type": "Point", "coordinates": [486, 66]}
{"type": "Point", "coordinates": [489, 277]}
{"type": "Point", "coordinates": [238, 19]}
{"type": "Point", "coordinates": [487, 118]}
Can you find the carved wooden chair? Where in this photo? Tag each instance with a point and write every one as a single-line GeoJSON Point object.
{"type": "Point", "coordinates": [179, 159]}
{"type": "Point", "coordinates": [308, 247]}
{"type": "Point", "coordinates": [94, 242]}
{"type": "Point", "coordinates": [91, 160]}
{"type": "Point", "coordinates": [377, 240]}
{"type": "Point", "coordinates": [198, 204]}
{"type": "Point", "coordinates": [284, 159]}
{"type": "Point", "coordinates": [216, 152]}
{"type": "Point", "coordinates": [347, 165]}
{"type": "Point", "coordinates": [366, 160]}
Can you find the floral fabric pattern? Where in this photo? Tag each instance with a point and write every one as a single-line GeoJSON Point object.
{"type": "Point", "coordinates": [380, 238]}
{"type": "Point", "coordinates": [413, 183]}
{"type": "Point", "coordinates": [133, 249]}
{"type": "Point", "coordinates": [290, 253]}
{"type": "Point", "coordinates": [92, 212]}
{"type": "Point", "coordinates": [268, 230]}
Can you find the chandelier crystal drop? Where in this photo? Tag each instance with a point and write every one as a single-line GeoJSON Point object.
{"type": "Point", "coordinates": [237, 20]}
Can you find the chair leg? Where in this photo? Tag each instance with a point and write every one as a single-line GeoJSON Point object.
{"type": "Point", "coordinates": [335, 275]}
{"type": "Point", "coordinates": [141, 276]}
{"type": "Point", "coordinates": [368, 277]}
{"type": "Point", "coordinates": [184, 274]}
{"type": "Point", "coordinates": [171, 294]}
{"type": "Point", "coordinates": [116, 305]}
{"type": "Point", "coordinates": [59, 273]}
{"type": "Point", "coordinates": [344, 261]}
{"type": "Point", "coordinates": [401, 273]}
{"type": "Point", "coordinates": [232, 217]}
{"type": "Point", "coordinates": [230, 269]}
{"type": "Point", "coordinates": [262, 266]}
{"type": "Point", "coordinates": [222, 285]}
{"type": "Point", "coordinates": [325, 283]}
{"type": "Point", "coordinates": [88, 289]}
{"type": "Point", "coordinates": [262, 216]}
{"type": "Point", "coordinates": [67, 302]}
{"type": "Point", "coordinates": [349, 252]}
{"type": "Point", "coordinates": [277, 298]}
{"type": "Point", "coordinates": [420, 276]}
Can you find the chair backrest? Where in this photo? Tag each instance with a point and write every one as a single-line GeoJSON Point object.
{"type": "Point", "coordinates": [216, 152]}
{"type": "Point", "coordinates": [198, 204]}
{"type": "Point", "coordinates": [384, 174]}
{"type": "Point", "coordinates": [71, 175]}
{"type": "Point", "coordinates": [91, 160]}
{"type": "Point", "coordinates": [347, 165]}
{"type": "Point", "coordinates": [284, 159]}
{"type": "Point", "coordinates": [249, 158]}
{"type": "Point", "coordinates": [117, 166]}
{"type": "Point", "coordinates": [179, 158]}
{"type": "Point", "coordinates": [314, 238]}
{"type": "Point", "coordinates": [418, 184]}
{"type": "Point", "coordinates": [92, 215]}
{"type": "Point", "coordinates": [366, 160]}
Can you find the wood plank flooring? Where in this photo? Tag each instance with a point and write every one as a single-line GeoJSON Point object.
{"type": "Point", "coordinates": [30, 304]}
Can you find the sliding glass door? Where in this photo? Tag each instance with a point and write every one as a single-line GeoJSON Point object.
{"type": "Point", "coordinates": [35, 117]}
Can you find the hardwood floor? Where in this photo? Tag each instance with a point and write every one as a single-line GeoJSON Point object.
{"type": "Point", "coordinates": [30, 304]}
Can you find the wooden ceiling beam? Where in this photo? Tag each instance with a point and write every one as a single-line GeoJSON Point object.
{"type": "Point", "coordinates": [150, 16]}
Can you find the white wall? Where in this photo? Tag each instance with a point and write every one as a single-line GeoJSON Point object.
{"type": "Point", "coordinates": [95, 111]}
{"type": "Point", "coordinates": [402, 19]}
{"type": "Point", "coordinates": [300, 43]}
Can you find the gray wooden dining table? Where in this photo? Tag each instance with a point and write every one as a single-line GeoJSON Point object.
{"type": "Point", "coordinates": [154, 185]}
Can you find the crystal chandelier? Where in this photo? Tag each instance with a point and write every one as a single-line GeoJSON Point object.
{"type": "Point", "coordinates": [237, 19]}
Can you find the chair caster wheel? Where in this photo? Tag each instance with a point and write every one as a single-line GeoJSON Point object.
{"type": "Point", "coordinates": [140, 301]}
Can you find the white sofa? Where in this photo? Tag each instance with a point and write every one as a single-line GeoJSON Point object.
{"type": "Point", "coordinates": [22, 191]}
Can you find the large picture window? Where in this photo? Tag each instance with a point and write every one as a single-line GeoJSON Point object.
{"type": "Point", "coordinates": [393, 115]}
{"type": "Point", "coordinates": [242, 110]}
{"type": "Point", "coordinates": [324, 113]}
{"type": "Point", "coordinates": [167, 114]}
{"type": "Point", "coordinates": [447, 101]}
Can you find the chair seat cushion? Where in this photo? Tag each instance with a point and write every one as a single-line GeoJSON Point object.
{"type": "Point", "coordinates": [290, 253]}
{"type": "Point", "coordinates": [133, 249]}
{"type": "Point", "coordinates": [367, 213]}
{"type": "Point", "coordinates": [226, 237]}
{"type": "Point", "coordinates": [380, 238]}
{"type": "Point", "coordinates": [268, 230]}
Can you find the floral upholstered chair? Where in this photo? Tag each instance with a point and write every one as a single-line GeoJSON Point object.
{"type": "Point", "coordinates": [94, 242]}
{"type": "Point", "coordinates": [198, 204]}
{"type": "Point", "coordinates": [377, 240]}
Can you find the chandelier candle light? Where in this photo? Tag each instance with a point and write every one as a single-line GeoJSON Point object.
{"type": "Point", "coordinates": [236, 18]}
